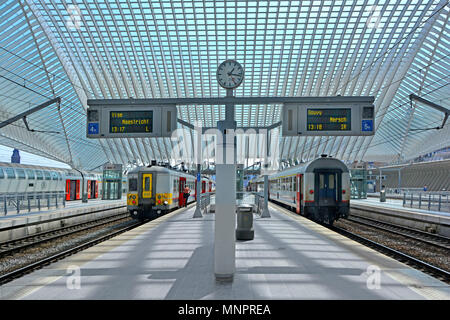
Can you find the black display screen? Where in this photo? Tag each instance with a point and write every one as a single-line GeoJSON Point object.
{"type": "Point", "coordinates": [329, 119]}
{"type": "Point", "coordinates": [131, 122]}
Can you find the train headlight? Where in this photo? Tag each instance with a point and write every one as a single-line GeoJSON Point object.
{"type": "Point", "coordinates": [166, 203]}
{"type": "Point", "coordinates": [311, 191]}
{"type": "Point", "coordinates": [159, 201]}
{"type": "Point", "coordinates": [134, 201]}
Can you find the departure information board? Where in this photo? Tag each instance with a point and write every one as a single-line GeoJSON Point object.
{"type": "Point", "coordinates": [355, 117]}
{"type": "Point", "coordinates": [131, 121]}
{"type": "Point", "coordinates": [329, 119]}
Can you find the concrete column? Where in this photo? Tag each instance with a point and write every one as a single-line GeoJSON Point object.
{"type": "Point", "coordinates": [225, 216]}
{"type": "Point", "coordinates": [265, 213]}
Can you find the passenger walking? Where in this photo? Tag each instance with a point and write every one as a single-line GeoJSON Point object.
{"type": "Point", "coordinates": [186, 194]}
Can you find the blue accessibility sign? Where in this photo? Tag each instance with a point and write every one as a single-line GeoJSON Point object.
{"type": "Point", "coordinates": [367, 125]}
{"type": "Point", "coordinates": [93, 128]}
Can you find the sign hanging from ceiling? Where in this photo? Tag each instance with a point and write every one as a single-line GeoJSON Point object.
{"type": "Point", "coordinates": [132, 121]}
{"type": "Point", "coordinates": [328, 119]}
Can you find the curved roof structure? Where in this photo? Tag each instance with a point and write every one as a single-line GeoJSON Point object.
{"type": "Point", "coordinates": [107, 49]}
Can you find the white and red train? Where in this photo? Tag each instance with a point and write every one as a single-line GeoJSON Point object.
{"type": "Point", "coordinates": [155, 190]}
{"type": "Point", "coordinates": [18, 178]}
{"type": "Point", "coordinates": [319, 189]}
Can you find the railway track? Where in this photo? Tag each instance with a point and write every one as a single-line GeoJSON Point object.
{"type": "Point", "coordinates": [418, 235]}
{"type": "Point", "coordinates": [436, 241]}
{"type": "Point", "coordinates": [19, 244]}
{"type": "Point", "coordinates": [436, 272]}
{"type": "Point", "coordinates": [43, 262]}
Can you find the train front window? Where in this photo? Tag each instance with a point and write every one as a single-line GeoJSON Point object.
{"type": "Point", "coordinates": [331, 181]}
{"type": "Point", "coordinates": [132, 184]}
{"type": "Point", "coordinates": [147, 184]}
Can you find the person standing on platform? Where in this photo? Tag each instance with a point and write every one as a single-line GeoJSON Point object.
{"type": "Point", "coordinates": [186, 194]}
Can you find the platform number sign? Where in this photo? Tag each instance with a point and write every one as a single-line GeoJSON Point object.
{"type": "Point", "coordinates": [367, 125]}
{"type": "Point", "coordinates": [93, 128]}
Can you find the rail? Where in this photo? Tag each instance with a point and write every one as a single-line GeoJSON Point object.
{"type": "Point", "coordinates": [427, 201]}
{"type": "Point", "coordinates": [205, 200]}
{"type": "Point", "coordinates": [27, 202]}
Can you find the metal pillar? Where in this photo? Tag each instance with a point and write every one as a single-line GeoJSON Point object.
{"type": "Point", "coordinates": [198, 211]}
{"type": "Point", "coordinates": [265, 212]}
{"type": "Point", "coordinates": [225, 216]}
{"type": "Point", "coordinates": [198, 158]}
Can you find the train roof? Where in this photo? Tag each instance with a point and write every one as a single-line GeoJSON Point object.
{"type": "Point", "coordinates": [323, 163]}
{"type": "Point", "coordinates": [162, 170]}
{"type": "Point", "coordinates": [36, 167]}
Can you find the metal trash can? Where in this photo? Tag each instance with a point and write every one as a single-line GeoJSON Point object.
{"type": "Point", "coordinates": [244, 229]}
{"type": "Point", "coordinates": [383, 195]}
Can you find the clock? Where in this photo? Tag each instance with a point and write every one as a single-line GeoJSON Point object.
{"type": "Point", "coordinates": [230, 74]}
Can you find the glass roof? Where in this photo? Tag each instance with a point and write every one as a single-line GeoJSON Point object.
{"type": "Point", "coordinates": [96, 49]}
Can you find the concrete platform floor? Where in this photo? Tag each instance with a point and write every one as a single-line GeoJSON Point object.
{"type": "Point", "coordinates": [172, 258]}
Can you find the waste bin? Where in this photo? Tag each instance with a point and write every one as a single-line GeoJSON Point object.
{"type": "Point", "coordinates": [244, 229]}
{"type": "Point", "coordinates": [383, 195]}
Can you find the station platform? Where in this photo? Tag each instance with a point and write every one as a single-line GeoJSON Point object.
{"type": "Point", "coordinates": [23, 224]}
{"type": "Point", "coordinates": [395, 204]}
{"type": "Point", "coordinates": [392, 211]}
{"type": "Point", "coordinates": [173, 258]}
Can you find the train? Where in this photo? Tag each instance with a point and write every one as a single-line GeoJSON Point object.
{"type": "Point", "coordinates": [18, 178]}
{"type": "Point", "coordinates": [155, 190]}
{"type": "Point", "coordinates": [319, 189]}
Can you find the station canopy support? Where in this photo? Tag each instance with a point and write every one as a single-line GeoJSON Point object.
{"type": "Point", "coordinates": [339, 115]}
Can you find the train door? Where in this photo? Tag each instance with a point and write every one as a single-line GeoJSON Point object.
{"type": "Point", "coordinates": [88, 189]}
{"type": "Point", "coordinates": [181, 186]}
{"type": "Point", "coordinates": [96, 189]}
{"type": "Point", "coordinates": [299, 195]}
{"type": "Point", "coordinates": [77, 183]}
{"type": "Point", "coordinates": [91, 191]}
{"type": "Point", "coordinates": [328, 186]}
{"type": "Point", "coordinates": [68, 189]}
{"type": "Point", "coordinates": [147, 185]}
{"type": "Point", "coordinates": [73, 190]}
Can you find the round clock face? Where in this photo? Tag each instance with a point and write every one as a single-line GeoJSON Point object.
{"type": "Point", "coordinates": [230, 74]}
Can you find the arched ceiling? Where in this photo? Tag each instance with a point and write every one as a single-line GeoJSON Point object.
{"type": "Point", "coordinates": [107, 49]}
